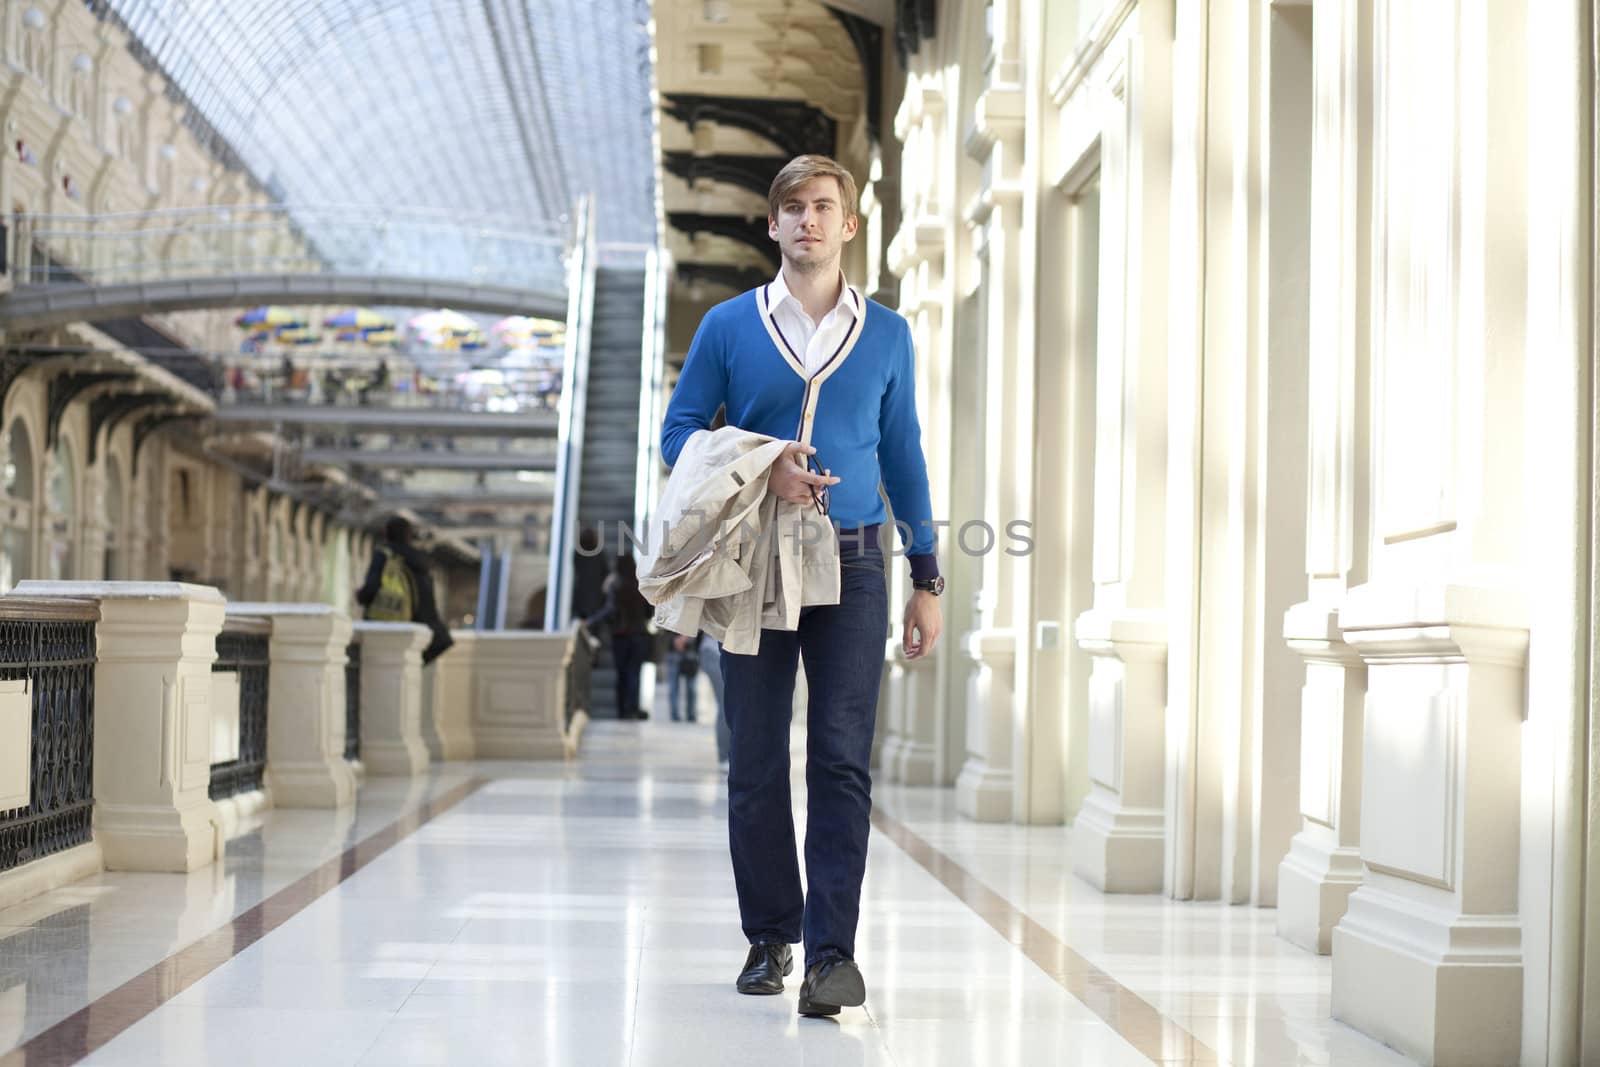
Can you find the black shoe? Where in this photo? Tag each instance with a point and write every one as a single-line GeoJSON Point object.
{"type": "Point", "coordinates": [764, 969]}
{"type": "Point", "coordinates": [830, 985]}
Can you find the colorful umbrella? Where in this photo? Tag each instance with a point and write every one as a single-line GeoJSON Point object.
{"type": "Point", "coordinates": [381, 337]}
{"type": "Point", "coordinates": [296, 335]}
{"type": "Point", "coordinates": [521, 331]}
{"type": "Point", "coordinates": [271, 315]}
{"type": "Point", "coordinates": [443, 321]}
{"type": "Point", "coordinates": [358, 320]}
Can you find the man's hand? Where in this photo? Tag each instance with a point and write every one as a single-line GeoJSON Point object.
{"type": "Point", "coordinates": [923, 621]}
{"type": "Point", "coordinates": [791, 481]}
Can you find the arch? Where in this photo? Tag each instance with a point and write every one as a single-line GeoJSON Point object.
{"type": "Point", "coordinates": [18, 482]}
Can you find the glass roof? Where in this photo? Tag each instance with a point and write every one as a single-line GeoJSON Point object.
{"type": "Point", "coordinates": [503, 108]}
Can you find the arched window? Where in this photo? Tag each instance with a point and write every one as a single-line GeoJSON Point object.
{"type": "Point", "coordinates": [113, 559]}
{"type": "Point", "coordinates": [33, 54]}
{"type": "Point", "coordinates": [63, 490]}
{"type": "Point", "coordinates": [16, 529]}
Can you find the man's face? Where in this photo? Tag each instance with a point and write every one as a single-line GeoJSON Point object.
{"type": "Point", "coordinates": [811, 227]}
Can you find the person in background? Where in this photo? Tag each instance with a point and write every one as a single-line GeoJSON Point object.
{"type": "Point", "coordinates": [377, 383]}
{"type": "Point", "coordinates": [711, 663]}
{"type": "Point", "coordinates": [398, 587]}
{"type": "Point", "coordinates": [533, 619]}
{"type": "Point", "coordinates": [628, 613]}
{"type": "Point", "coordinates": [589, 569]}
{"type": "Point", "coordinates": [683, 670]}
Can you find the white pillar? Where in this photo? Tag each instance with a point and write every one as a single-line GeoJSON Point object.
{"type": "Point", "coordinates": [886, 738]}
{"type": "Point", "coordinates": [519, 694]}
{"type": "Point", "coordinates": [91, 552]}
{"type": "Point", "coordinates": [447, 699]}
{"type": "Point", "coordinates": [1428, 955]}
{"type": "Point", "coordinates": [984, 788]}
{"type": "Point", "coordinates": [916, 757]}
{"type": "Point", "coordinates": [1117, 836]}
{"type": "Point", "coordinates": [391, 696]}
{"type": "Point", "coordinates": [1324, 864]}
{"type": "Point", "coordinates": [152, 733]}
{"type": "Point", "coordinates": [306, 767]}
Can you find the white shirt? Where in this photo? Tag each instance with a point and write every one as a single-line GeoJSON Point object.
{"type": "Point", "coordinates": [815, 342]}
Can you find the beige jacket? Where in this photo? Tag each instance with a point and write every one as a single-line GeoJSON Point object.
{"type": "Point", "coordinates": [725, 556]}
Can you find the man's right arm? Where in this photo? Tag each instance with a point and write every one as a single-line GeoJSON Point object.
{"type": "Point", "coordinates": [702, 388]}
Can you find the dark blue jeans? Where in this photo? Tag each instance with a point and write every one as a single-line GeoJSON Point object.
{"type": "Point", "coordinates": [842, 648]}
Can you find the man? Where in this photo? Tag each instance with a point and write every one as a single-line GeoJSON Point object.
{"type": "Point", "coordinates": [807, 357]}
{"type": "Point", "coordinates": [398, 587]}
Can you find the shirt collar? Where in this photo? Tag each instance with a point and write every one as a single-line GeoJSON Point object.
{"type": "Point", "coordinates": [778, 292]}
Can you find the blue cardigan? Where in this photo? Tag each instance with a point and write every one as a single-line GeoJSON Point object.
{"type": "Point", "coordinates": [860, 407]}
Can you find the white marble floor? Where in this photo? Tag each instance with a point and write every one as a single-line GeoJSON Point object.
{"type": "Point", "coordinates": [585, 915]}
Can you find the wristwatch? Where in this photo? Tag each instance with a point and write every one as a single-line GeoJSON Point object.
{"type": "Point", "coordinates": [929, 585]}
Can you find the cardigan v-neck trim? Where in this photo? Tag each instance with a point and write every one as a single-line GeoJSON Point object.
{"type": "Point", "coordinates": [787, 352]}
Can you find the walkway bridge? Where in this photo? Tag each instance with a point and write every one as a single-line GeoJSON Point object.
{"type": "Point", "coordinates": [91, 268]}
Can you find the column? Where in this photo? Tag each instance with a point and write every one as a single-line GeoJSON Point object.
{"type": "Point", "coordinates": [152, 734]}
{"type": "Point", "coordinates": [985, 785]}
{"type": "Point", "coordinates": [519, 694]}
{"type": "Point", "coordinates": [224, 507]}
{"type": "Point", "coordinates": [391, 696]}
{"type": "Point", "coordinates": [1323, 866]}
{"type": "Point", "coordinates": [91, 552]}
{"type": "Point", "coordinates": [1429, 955]}
{"type": "Point", "coordinates": [917, 255]}
{"type": "Point", "coordinates": [306, 767]}
{"type": "Point", "coordinates": [152, 459]}
{"type": "Point", "coordinates": [1118, 834]}
{"type": "Point", "coordinates": [915, 760]}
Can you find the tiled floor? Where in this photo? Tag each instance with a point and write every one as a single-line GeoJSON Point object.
{"type": "Point", "coordinates": [585, 915]}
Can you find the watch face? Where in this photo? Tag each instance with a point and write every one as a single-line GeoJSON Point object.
{"type": "Point", "coordinates": [938, 585]}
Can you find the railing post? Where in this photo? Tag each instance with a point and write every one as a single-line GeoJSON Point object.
{"type": "Point", "coordinates": [152, 733]}
{"type": "Point", "coordinates": [447, 686]}
{"type": "Point", "coordinates": [306, 767]}
{"type": "Point", "coordinates": [519, 694]}
{"type": "Point", "coordinates": [391, 696]}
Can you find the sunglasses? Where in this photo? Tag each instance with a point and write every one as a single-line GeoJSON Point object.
{"type": "Point", "coordinates": [819, 495]}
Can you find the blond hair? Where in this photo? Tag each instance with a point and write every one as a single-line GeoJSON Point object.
{"type": "Point", "coordinates": [802, 169]}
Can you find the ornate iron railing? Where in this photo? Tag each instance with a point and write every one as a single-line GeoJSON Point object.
{"type": "Point", "coordinates": [242, 648]}
{"type": "Point", "coordinates": [52, 645]}
{"type": "Point", "coordinates": [352, 700]}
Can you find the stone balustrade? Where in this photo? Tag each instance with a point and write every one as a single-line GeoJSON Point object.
{"type": "Point", "coordinates": [155, 643]}
{"type": "Point", "coordinates": [197, 714]}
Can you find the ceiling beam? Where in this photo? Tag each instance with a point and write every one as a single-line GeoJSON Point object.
{"type": "Point", "coordinates": [793, 126]}
{"type": "Point", "coordinates": [754, 173]}
{"type": "Point", "coordinates": [747, 231]}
